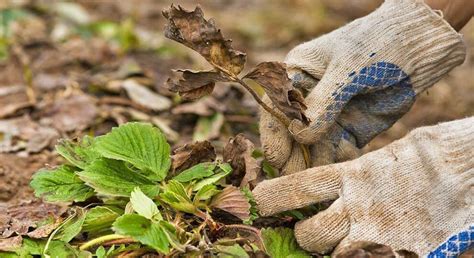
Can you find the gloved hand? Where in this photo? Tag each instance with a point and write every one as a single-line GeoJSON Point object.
{"type": "Point", "coordinates": [416, 194]}
{"type": "Point", "coordinates": [361, 78]}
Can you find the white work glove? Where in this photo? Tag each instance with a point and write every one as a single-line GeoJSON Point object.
{"type": "Point", "coordinates": [361, 79]}
{"type": "Point", "coordinates": [416, 194]}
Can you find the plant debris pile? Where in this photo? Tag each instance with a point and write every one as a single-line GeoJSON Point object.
{"type": "Point", "coordinates": [127, 202]}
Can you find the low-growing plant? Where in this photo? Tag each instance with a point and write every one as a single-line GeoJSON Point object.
{"type": "Point", "coordinates": [126, 202]}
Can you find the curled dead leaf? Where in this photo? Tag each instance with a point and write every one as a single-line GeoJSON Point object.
{"type": "Point", "coordinates": [273, 78]}
{"type": "Point", "coordinates": [10, 244]}
{"type": "Point", "coordinates": [194, 84]}
{"type": "Point", "coordinates": [75, 112]}
{"type": "Point", "coordinates": [364, 249]}
{"type": "Point", "coordinates": [233, 201]}
{"type": "Point", "coordinates": [144, 96]}
{"type": "Point", "coordinates": [192, 30]}
{"type": "Point", "coordinates": [245, 169]}
{"type": "Point", "coordinates": [192, 154]}
{"type": "Point", "coordinates": [24, 217]}
{"type": "Point", "coordinates": [45, 230]}
{"type": "Point", "coordinates": [206, 106]}
{"type": "Point", "coordinates": [250, 233]}
{"type": "Point", "coordinates": [24, 133]}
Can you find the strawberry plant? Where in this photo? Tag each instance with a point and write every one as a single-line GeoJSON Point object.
{"type": "Point", "coordinates": [126, 202]}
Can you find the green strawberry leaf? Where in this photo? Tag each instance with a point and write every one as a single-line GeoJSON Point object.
{"type": "Point", "coordinates": [140, 144]}
{"type": "Point", "coordinates": [80, 154]}
{"type": "Point", "coordinates": [56, 248]}
{"type": "Point", "coordinates": [231, 251]}
{"type": "Point", "coordinates": [205, 193]}
{"type": "Point", "coordinates": [72, 226]}
{"type": "Point", "coordinates": [144, 206]}
{"type": "Point", "coordinates": [143, 230]}
{"type": "Point", "coordinates": [281, 242]}
{"type": "Point", "coordinates": [114, 178]}
{"type": "Point", "coordinates": [60, 185]}
{"type": "Point", "coordinates": [99, 219]}
{"type": "Point", "coordinates": [253, 205]}
{"type": "Point", "coordinates": [101, 252]}
{"type": "Point", "coordinates": [175, 195]}
{"type": "Point", "coordinates": [196, 172]}
{"type": "Point", "coordinates": [223, 171]}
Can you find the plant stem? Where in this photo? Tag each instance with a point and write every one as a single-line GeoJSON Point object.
{"type": "Point", "coordinates": [99, 240]}
{"type": "Point", "coordinates": [282, 118]}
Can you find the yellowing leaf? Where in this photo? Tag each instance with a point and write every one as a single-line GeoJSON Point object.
{"type": "Point", "coordinates": [143, 205]}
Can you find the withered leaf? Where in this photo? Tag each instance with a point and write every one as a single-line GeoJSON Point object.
{"type": "Point", "coordinates": [192, 30]}
{"type": "Point", "coordinates": [363, 249]}
{"type": "Point", "coordinates": [10, 244]}
{"type": "Point", "coordinates": [273, 78]}
{"type": "Point", "coordinates": [45, 230]}
{"type": "Point", "coordinates": [142, 95]}
{"type": "Point", "coordinates": [250, 233]}
{"type": "Point", "coordinates": [245, 169]}
{"type": "Point", "coordinates": [192, 85]}
{"type": "Point", "coordinates": [233, 201]}
{"type": "Point", "coordinates": [192, 154]}
{"type": "Point", "coordinates": [206, 106]}
{"type": "Point", "coordinates": [23, 217]}
{"type": "Point", "coordinates": [76, 112]}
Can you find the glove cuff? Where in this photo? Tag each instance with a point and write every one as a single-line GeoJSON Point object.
{"type": "Point", "coordinates": [457, 140]}
{"type": "Point", "coordinates": [428, 46]}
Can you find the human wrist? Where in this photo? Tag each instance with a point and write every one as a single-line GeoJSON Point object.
{"type": "Point", "coordinates": [456, 13]}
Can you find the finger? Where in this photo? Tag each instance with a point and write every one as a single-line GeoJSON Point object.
{"type": "Point", "coordinates": [298, 190]}
{"type": "Point", "coordinates": [322, 152]}
{"type": "Point", "coordinates": [346, 150]}
{"type": "Point", "coordinates": [345, 144]}
{"type": "Point", "coordinates": [276, 142]}
{"type": "Point", "coordinates": [295, 162]}
{"type": "Point", "coordinates": [325, 102]}
{"type": "Point", "coordinates": [322, 232]}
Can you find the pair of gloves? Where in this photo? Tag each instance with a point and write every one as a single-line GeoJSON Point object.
{"type": "Point", "coordinates": [415, 194]}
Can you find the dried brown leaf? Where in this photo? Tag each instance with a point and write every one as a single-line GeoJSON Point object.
{"type": "Point", "coordinates": [10, 244]}
{"type": "Point", "coordinates": [245, 169]}
{"type": "Point", "coordinates": [363, 249]}
{"type": "Point", "coordinates": [192, 154]}
{"type": "Point", "coordinates": [23, 217]}
{"type": "Point", "coordinates": [45, 230]}
{"type": "Point", "coordinates": [144, 96]}
{"type": "Point", "coordinates": [192, 30]}
{"type": "Point", "coordinates": [273, 78]}
{"type": "Point", "coordinates": [233, 201]}
{"type": "Point", "coordinates": [192, 85]}
{"type": "Point", "coordinates": [13, 99]}
{"type": "Point", "coordinates": [203, 107]}
{"type": "Point", "coordinates": [23, 133]}
{"type": "Point", "coordinates": [76, 112]}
